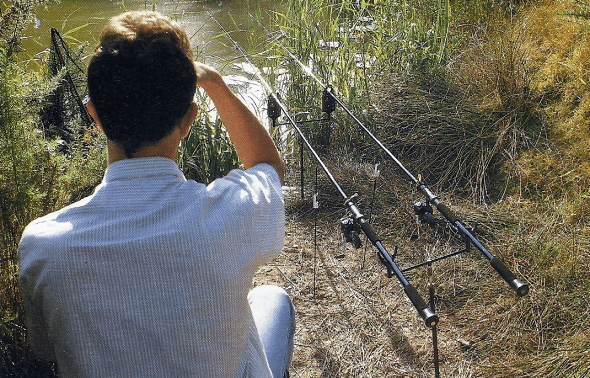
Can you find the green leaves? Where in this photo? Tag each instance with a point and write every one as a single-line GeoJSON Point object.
{"type": "Point", "coordinates": [37, 176]}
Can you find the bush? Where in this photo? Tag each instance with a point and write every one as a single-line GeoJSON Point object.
{"type": "Point", "coordinates": [464, 128]}
{"type": "Point", "coordinates": [37, 175]}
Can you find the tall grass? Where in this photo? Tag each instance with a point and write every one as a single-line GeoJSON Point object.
{"type": "Point", "coordinates": [433, 100]}
{"type": "Point", "coordinates": [351, 47]}
{"type": "Point", "coordinates": [207, 153]}
{"type": "Point", "coordinates": [464, 127]}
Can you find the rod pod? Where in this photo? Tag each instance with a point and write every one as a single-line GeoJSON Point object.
{"type": "Point", "coordinates": [496, 263]}
{"type": "Point", "coordinates": [429, 317]}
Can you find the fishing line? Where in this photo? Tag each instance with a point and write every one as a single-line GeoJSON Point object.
{"type": "Point", "coordinates": [376, 174]}
{"type": "Point", "coordinates": [429, 317]}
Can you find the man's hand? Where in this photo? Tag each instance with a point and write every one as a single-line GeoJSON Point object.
{"type": "Point", "coordinates": [250, 138]}
{"type": "Point", "coordinates": [207, 76]}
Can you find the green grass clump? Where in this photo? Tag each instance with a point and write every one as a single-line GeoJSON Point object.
{"type": "Point", "coordinates": [207, 153]}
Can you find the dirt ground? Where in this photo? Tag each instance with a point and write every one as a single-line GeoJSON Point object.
{"type": "Point", "coordinates": [352, 320]}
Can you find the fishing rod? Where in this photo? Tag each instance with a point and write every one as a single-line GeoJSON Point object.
{"type": "Point", "coordinates": [424, 211]}
{"type": "Point", "coordinates": [429, 317]}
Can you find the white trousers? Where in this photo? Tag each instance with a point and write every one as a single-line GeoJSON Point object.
{"type": "Point", "coordinates": [274, 316]}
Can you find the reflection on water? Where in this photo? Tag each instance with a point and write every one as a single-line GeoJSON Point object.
{"type": "Point", "coordinates": [82, 20]}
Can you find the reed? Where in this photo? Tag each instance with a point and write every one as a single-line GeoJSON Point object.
{"type": "Point", "coordinates": [207, 153]}
{"type": "Point", "coordinates": [349, 46]}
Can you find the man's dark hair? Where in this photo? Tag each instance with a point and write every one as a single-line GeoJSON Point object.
{"type": "Point", "coordinates": [141, 79]}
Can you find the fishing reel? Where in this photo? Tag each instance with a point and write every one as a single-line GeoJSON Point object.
{"type": "Point", "coordinates": [423, 212]}
{"type": "Point", "coordinates": [350, 232]}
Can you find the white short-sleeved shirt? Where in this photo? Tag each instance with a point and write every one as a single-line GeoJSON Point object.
{"type": "Point", "coordinates": [148, 276]}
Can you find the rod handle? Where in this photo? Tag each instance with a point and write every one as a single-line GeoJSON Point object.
{"type": "Point", "coordinates": [446, 212]}
{"type": "Point", "coordinates": [520, 288]}
{"type": "Point", "coordinates": [430, 318]}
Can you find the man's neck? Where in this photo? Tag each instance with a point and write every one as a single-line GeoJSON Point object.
{"type": "Point", "coordinates": [166, 147]}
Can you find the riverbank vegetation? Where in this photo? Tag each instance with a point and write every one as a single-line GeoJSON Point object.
{"type": "Point", "coordinates": [39, 173]}
{"type": "Point", "coordinates": [488, 101]}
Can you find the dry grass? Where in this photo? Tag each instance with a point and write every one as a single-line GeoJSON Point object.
{"type": "Point", "coordinates": [562, 60]}
{"type": "Point", "coordinates": [359, 323]}
{"type": "Point", "coordinates": [464, 127]}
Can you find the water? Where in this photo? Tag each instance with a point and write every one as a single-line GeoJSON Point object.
{"type": "Point", "coordinates": [80, 21]}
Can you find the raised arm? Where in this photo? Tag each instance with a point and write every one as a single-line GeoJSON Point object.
{"type": "Point", "coordinates": [251, 140]}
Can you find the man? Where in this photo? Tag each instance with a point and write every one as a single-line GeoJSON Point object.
{"type": "Point", "coordinates": [149, 276]}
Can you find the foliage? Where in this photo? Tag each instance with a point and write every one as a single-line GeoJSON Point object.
{"type": "Point", "coordinates": [561, 60]}
{"type": "Point", "coordinates": [502, 119]}
{"type": "Point", "coordinates": [463, 127]}
{"type": "Point", "coordinates": [351, 48]}
{"type": "Point", "coordinates": [580, 11]}
{"type": "Point", "coordinates": [207, 153]}
{"type": "Point", "coordinates": [437, 96]}
{"type": "Point", "coordinates": [490, 100]}
{"type": "Point", "coordinates": [37, 176]}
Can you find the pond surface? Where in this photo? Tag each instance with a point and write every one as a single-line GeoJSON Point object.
{"type": "Point", "coordinates": [81, 21]}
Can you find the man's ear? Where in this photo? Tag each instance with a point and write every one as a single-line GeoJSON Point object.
{"type": "Point", "coordinates": [92, 111]}
{"type": "Point", "coordinates": [187, 120]}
